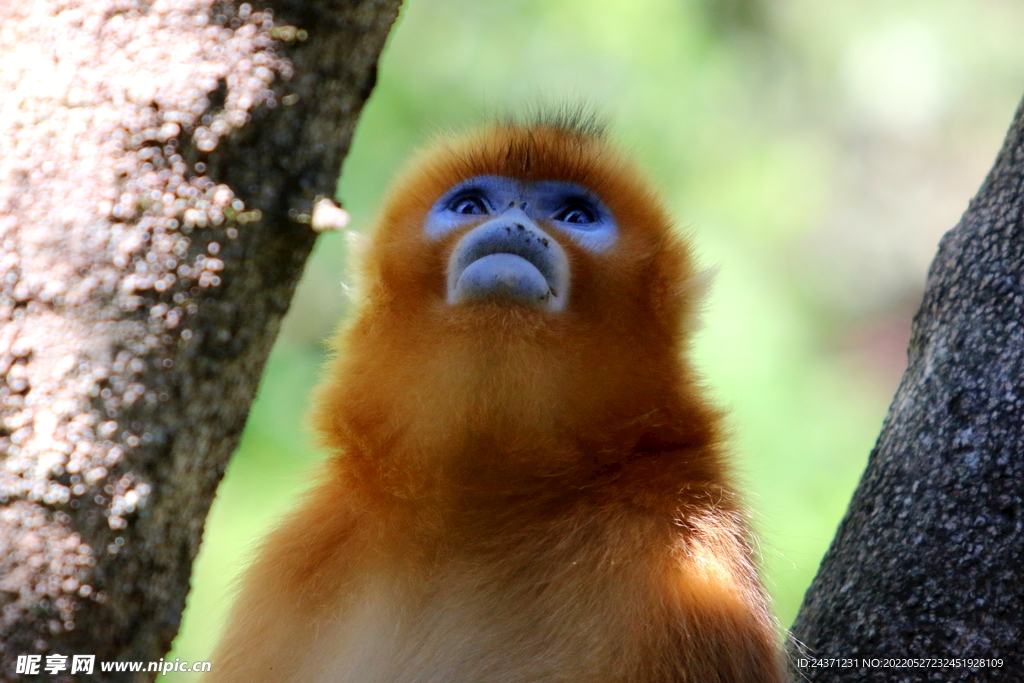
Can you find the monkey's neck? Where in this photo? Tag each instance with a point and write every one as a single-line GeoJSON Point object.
{"type": "Point", "coordinates": [482, 461]}
{"type": "Point", "coordinates": [511, 417]}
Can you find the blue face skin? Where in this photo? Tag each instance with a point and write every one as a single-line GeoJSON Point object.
{"type": "Point", "coordinates": [508, 257]}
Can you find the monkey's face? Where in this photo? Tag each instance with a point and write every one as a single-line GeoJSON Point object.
{"type": "Point", "coordinates": [506, 255]}
{"type": "Point", "coordinates": [526, 231]}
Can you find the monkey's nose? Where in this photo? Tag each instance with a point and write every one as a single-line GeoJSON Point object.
{"type": "Point", "coordinates": [509, 258]}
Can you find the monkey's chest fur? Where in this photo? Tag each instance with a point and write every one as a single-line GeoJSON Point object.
{"type": "Point", "coordinates": [567, 614]}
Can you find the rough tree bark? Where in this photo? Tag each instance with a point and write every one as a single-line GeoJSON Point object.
{"type": "Point", "coordinates": [159, 165]}
{"type": "Point", "coordinates": [929, 560]}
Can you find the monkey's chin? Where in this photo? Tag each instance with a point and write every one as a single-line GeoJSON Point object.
{"type": "Point", "coordinates": [504, 277]}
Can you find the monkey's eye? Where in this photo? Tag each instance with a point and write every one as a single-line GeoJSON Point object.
{"type": "Point", "coordinates": [577, 213]}
{"type": "Point", "coordinates": [468, 205]}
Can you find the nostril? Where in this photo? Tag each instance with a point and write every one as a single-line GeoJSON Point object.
{"type": "Point", "coordinates": [520, 226]}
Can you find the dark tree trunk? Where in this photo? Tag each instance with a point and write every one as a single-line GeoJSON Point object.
{"type": "Point", "coordinates": [929, 560]}
{"type": "Point", "coordinates": [159, 165]}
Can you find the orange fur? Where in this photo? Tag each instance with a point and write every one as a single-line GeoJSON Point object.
{"type": "Point", "coordinates": [513, 495]}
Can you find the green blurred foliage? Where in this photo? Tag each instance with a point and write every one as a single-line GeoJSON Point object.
{"type": "Point", "coordinates": [738, 108]}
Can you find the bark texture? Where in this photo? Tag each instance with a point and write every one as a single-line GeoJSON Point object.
{"type": "Point", "coordinates": [929, 560]}
{"type": "Point", "coordinates": [159, 163]}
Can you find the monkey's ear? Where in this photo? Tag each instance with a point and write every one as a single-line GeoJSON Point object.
{"type": "Point", "coordinates": [694, 290]}
{"type": "Point", "coordinates": [354, 283]}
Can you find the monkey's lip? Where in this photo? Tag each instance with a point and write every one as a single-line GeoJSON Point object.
{"type": "Point", "coordinates": [503, 275]}
{"type": "Point", "coordinates": [511, 260]}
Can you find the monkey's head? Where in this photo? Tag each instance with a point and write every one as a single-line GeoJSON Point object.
{"type": "Point", "coordinates": [543, 225]}
{"type": "Point", "coordinates": [522, 280]}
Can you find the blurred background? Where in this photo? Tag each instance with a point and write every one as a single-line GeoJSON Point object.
{"type": "Point", "coordinates": [817, 151]}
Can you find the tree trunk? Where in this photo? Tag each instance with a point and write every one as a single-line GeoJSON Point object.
{"type": "Point", "coordinates": [159, 165]}
{"type": "Point", "coordinates": [929, 560]}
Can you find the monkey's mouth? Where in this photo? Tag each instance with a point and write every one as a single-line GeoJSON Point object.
{"type": "Point", "coordinates": [510, 259]}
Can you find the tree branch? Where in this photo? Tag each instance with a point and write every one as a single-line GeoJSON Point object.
{"type": "Point", "coordinates": [929, 560]}
{"type": "Point", "coordinates": [159, 164]}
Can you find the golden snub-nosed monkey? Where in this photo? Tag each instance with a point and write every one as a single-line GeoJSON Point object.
{"type": "Point", "coordinates": [527, 483]}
